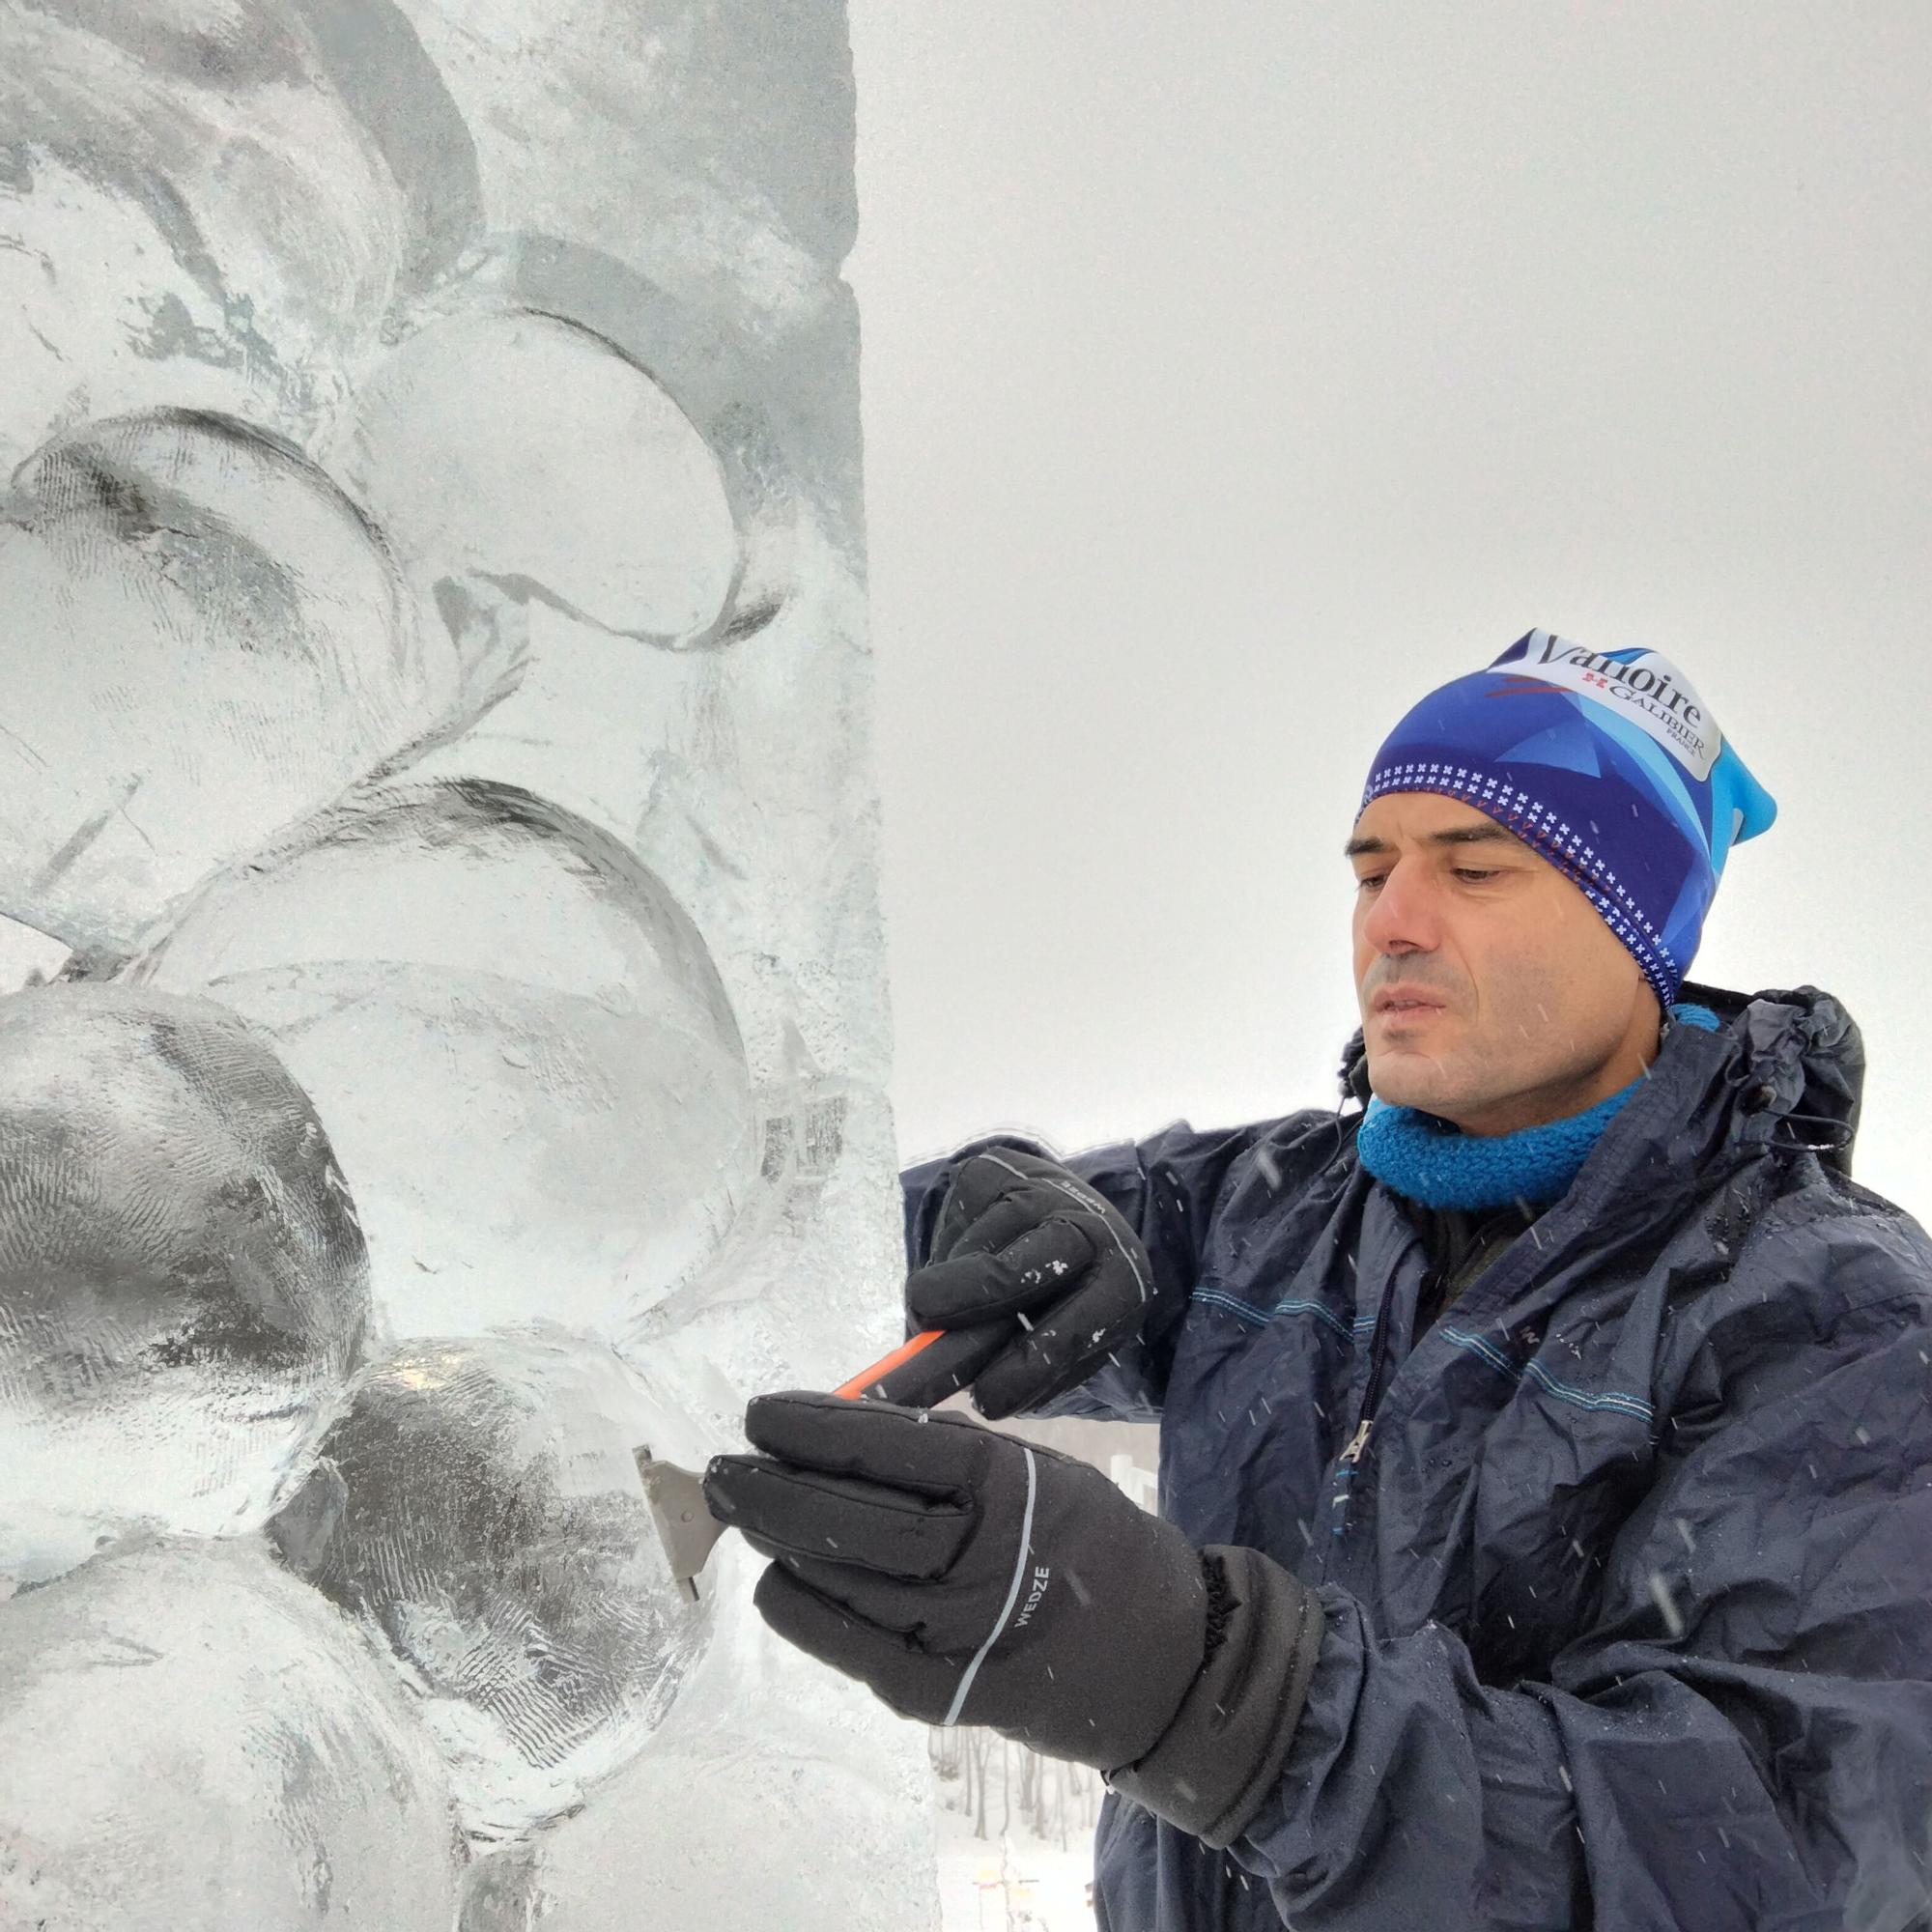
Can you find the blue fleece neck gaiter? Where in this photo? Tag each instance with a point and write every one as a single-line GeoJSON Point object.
{"type": "Point", "coordinates": [1431, 1160]}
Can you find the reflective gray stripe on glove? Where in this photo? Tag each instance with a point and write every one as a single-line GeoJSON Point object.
{"type": "Point", "coordinates": [1019, 1235]}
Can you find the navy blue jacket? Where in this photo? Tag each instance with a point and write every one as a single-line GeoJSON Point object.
{"type": "Point", "coordinates": [1627, 1593]}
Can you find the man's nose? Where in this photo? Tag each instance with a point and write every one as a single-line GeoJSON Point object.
{"type": "Point", "coordinates": [1405, 916]}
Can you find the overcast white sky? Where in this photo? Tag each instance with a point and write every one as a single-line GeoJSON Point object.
{"type": "Point", "coordinates": [1234, 373]}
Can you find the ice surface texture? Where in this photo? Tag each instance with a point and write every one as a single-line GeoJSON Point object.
{"type": "Point", "coordinates": [204, 638]}
{"type": "Point", "coordinates": [563, 471]}
{"type": "Point", "coordinates": [521, 1049]}
{"type": "Point", "coordinates": [759, 1804]}
{"type": "Point", "coordinates": [477, 1505]}
{"type": "Point", "coordinates": [191, 1741]}
{"type": "Point", "coordinates": [182, 1280]}
{"type": "Point", "coordinates": [199, 216]}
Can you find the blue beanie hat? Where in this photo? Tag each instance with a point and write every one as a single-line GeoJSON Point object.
{"type": "Point", "coordinates": [1609, 765]}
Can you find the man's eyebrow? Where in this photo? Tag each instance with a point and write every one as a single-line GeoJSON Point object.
{"type": "Point", "coordinates": [1477, 834]}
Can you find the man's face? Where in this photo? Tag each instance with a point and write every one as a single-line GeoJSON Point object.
{"type": "Point", "coordinates": [1525, 1006]}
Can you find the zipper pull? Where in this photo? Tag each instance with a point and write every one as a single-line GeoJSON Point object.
{"type": "Point", "coordinates": [1360, 1441]}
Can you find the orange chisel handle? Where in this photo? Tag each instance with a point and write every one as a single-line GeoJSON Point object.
{"type": "Point", "coordinates": [925, 1370]}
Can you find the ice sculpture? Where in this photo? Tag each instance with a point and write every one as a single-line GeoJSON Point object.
{"type": "Point", "coordinates": [183, 1284]}
{"type": "Point", "coordinates": [523, 1051]}
{"type": "Point", "coordinates": [562, 468]}
{"type": "Point", "coordinates": [792, 1782]}
{"type": "Point", "coordinates": [191, 1741]}
{"type": "Point", "coordinates": [431, 638]}
{"type": "Point", "coordinates": [208, 640]}
{"type": "Point", "coordinates": [477, 1505]}
{"type": "Point", "coordinates": [200, 216]}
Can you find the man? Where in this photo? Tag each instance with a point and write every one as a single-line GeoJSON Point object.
{"type": "Point", "coordinates": [1546, 1451]}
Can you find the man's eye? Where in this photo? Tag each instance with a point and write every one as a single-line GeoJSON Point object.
{"type": "Point", "coordinates": [1466, 872]}
{"type": "Point", "coordinates": [1372, 879]}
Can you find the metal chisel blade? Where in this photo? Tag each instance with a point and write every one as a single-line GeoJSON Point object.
{"type": "Point", "coordinates": [686, 1527]}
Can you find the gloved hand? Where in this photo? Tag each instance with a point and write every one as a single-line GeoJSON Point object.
{"type": "Point", "coordinates": [1017, 1234]}
{"type": "Point", "coordinates": [969, 1578]}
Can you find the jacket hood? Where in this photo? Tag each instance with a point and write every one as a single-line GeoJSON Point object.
{"type": "Point", "coordinates": [1797, 1054]}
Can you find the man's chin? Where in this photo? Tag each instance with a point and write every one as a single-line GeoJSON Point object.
{"type": "Point", "coordinates": [1406, 1080]}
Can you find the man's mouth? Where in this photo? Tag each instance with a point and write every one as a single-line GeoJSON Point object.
{"type": "Point", "coordinates": [1386, 1004]}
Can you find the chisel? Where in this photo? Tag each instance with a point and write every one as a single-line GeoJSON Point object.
{"type": "Point", "coordinates": [917, 1373]}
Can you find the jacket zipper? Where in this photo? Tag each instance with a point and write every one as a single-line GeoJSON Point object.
{"type": "Point", "coordinates": [1349, 1463]}
{"type": "Point", "coordinates": [1377, 1356]}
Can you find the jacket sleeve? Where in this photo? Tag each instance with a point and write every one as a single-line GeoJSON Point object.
{"type": "Point", "coordinates": [1165, 1187]}
{"type": "Point", "coordinates": [1742, 1738]}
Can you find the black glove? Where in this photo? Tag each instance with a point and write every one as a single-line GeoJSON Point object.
{"type": "Point", "coordinates": [970, 1578]}
{"type": "Point", "coordinates": [1019, 1236]}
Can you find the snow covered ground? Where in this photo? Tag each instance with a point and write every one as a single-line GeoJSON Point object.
{"type": "Point", "coordinates": [985, 1888]}
{"type": "Point", "coordinates": [1014, 1880]}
